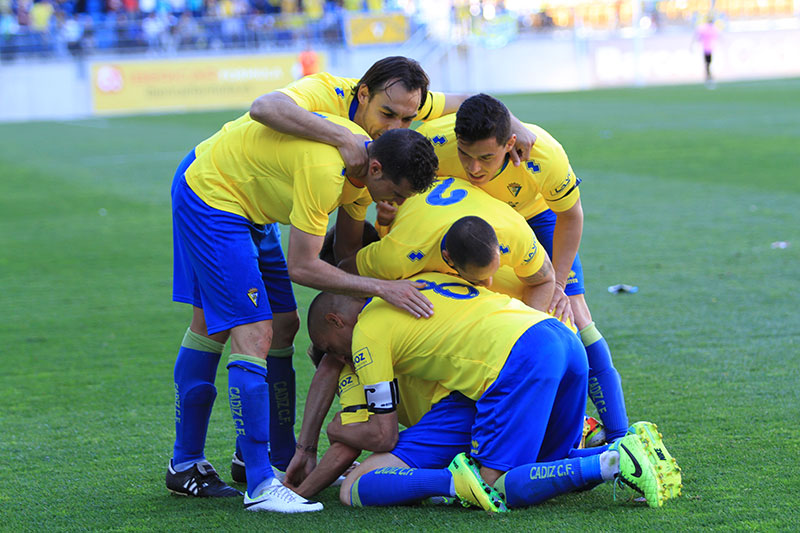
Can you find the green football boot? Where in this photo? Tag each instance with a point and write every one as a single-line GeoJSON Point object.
{"type": "Point", "coordinates": [470, 487]}
{"type": "Point", "coordinates": [666, 465]}
{"type": "Point", "coordinates": [636, 470]}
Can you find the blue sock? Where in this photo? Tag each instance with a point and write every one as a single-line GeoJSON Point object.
{"type": "Point", "coordinates": [537, 482]}
{"type": "Point", "coordinates": [248, 395]}
{"type": "Point", "coordinates": [586, 452]}
{"type": "Point", "coordinates": [398, 486]}
{"type": "Point", "coordinates": [281, 380]}
{"type": "Point", "coordinates": [605, 386]}
{"type": "Point", "coordinates": [195, 370]}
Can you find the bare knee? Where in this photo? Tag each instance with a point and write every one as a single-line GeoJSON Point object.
{"type": "Point", "coordinates": [285, 327]}
{"type": "Point", "coordinates": [252, 339]}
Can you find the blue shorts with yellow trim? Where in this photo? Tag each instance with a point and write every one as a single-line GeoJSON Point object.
{"type": "Point", "coordinates": [223, 263]}
{"type": "Point", "coordinates": [543, 225]}
{"type": "Point", "coordinates": [533, 412]}
{"type": "Point", "coordinates": [441, 434]}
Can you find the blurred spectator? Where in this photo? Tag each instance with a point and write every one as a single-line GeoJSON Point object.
{"type": "Point", "coordinates": [309, 61]}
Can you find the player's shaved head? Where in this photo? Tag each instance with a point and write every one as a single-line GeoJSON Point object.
{"type": "Point", "coordinates": [392, 70]}
{"type": "Point", "coordinates": [330, 321]}
{"type": "Point", "coordinates": [406, 154]}
{"type": "Point", "coordinates": [471, 241]}
{"type": "Point", "coordinates": [483, 117]}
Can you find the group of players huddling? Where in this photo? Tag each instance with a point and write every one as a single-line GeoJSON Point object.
{"type": "Point", "coordinates": [462, 317]}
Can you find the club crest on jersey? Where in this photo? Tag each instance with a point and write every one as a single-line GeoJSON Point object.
{"type": "Point", "coordinates": [514, 188]}
{"type": "Point", "coordinates": [532, 166]}
{"type": "Point", "coordinates": [361, 359]}
{"type": "Point", "coordinates": [253, 295]}
{"type": "Point", "coordinates": [340, 92]}
{"type": "Point", "coordinates": [438, 139]}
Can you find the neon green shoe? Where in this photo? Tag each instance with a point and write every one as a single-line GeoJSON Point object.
{"type": "Point", "coordinates": [666, 465]}
{"type": "Point", "coordinates": [471, 489]}
{"type": "Point", "coordinates": [636, 470]}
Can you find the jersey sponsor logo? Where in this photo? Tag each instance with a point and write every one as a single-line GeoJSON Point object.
{"type": "Point", "coordinates": [438, 140]}
{"type": "Point", "coordinates": [564, 185]}
{"type": "Point", "coordinates": [475, 446]}
{"type": "Point", "coordinates": [504, 249]}
{"type": "Point", "coordinates": [533, 167]}
{"type": "Point", "coordinates": [361, 359]}
{"type": "Point", "coordinates": [416, 255]}
{"type": "Point", "coordinates": [514, 189]}
{"type": "Point", "coordinates": [531, 253]}
{"type": "Point", "coordinates": [550, 471]}
{"type": "Point", "coordinates": [572, 278]}
{"type": "Point", "coordinates": [340, 92]}
{"type": "Point", "coordinates": [347, 383]}
{"type": "Point", "coordinates": [253, 295]}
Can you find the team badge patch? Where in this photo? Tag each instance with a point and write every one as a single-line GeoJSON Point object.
{"type": "Point", "coordinates": [361, 359]}
{"type": "Point", "coordinates": [253, 295]}
{"type": "Point", "coordinates": [533, 167]}
{"type": "Point", "coordinates": [514, 188]}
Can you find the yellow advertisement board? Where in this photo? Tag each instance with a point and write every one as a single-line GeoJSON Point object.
{"type": "Point", "coordinates": [376, 29]}
{"type": "Point", "coordinates": [189, 84]}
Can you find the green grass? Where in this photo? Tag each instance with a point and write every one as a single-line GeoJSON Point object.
{"type": "Point", "coordinates": [684, 191]}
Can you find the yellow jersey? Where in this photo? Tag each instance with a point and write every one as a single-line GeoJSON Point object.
{"type": "Point", "coordinates": [462, 347]}
{"type": "Point", "coordinates": [417, 398]}
{"type": "Point", "coordinates": [545, 181]}
{"type": "Point", "coordinates": [326, 93]}
{"type": "Point", "coordinates": [267, 176]}
{"type": "Point", "coordinates": [416, 239]}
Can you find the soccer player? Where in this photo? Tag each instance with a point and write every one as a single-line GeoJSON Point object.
{"type": "Point", "coordinates": [391, 94]}
{"type": "Point", "coordinates": [434, 232]}
{"type": "Point", "coordinates": [229, 266]}
{"type": "Point", "coordinates": [476, 145]}
{"type": "Point", "coordinates": [517, 377]}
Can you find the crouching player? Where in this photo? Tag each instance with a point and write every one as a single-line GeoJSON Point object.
{"type": "Point", "coordinates": [512, 384]}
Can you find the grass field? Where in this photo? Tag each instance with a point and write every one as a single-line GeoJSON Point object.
{"type": "Point", "coordinates": [684, 191]}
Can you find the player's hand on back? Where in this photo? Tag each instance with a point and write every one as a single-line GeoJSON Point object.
{"type": "Point", "coordinates": [560, 307]}
{"type": "Point", "coordinates": [354, 154]}
{"type": "Point", "coordinates": [406, 295]}
{"type": "Point", "coordinates": [522, 149]}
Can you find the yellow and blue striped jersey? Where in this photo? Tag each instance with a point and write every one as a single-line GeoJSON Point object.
{"type": "Point", "coordinates": [267, 176]}
{"type": "Point", "coordinates": [462, 347]}
{"type": "Point", "coordinates": [326, 93]}
{"type": "Point", "coordinates": [415, 241]}
{"type": "Point", "coordinates": [545, 181]}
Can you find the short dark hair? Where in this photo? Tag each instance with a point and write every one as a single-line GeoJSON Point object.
{"type": "Point", "coordinates": [482, 117]}
{"type": "Point", "coordinates": [471, 241]}
{"type": "Point", "coordinates": [395, 69]}
{"type": "Point", "coordinates": [406, 154]}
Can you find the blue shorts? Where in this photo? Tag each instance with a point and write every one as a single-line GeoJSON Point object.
{"type": "Point", "coordinates": [543, 226]}
{"type": "Point", "coordinates": [441, 434]}
{"type": "Point", "coordinates": [223, 263]}
{"type": "Point", "coordinates": [533, 412]}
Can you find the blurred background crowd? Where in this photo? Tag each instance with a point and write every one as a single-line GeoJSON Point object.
{"type": "Point", "coordinates": [58, 28]}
